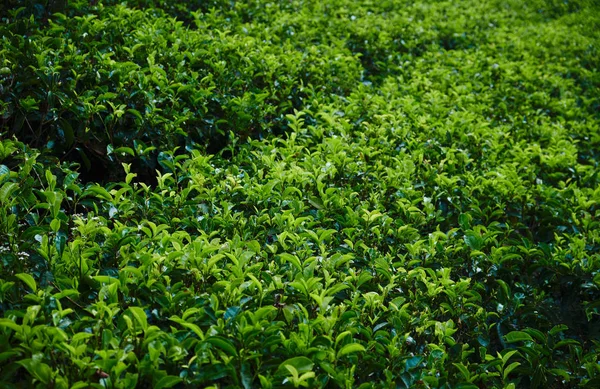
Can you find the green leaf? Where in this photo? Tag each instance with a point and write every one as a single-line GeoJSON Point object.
{"type": "Point", "coordinates": [350, 348]}
{"type": "Point", "coordinates": [292, 370]}
{"type": "Point", "coordinates": [558, 329]}
{"type": "Point", "coordinates": [505, 289]}
{"type": "Point", "coordinates": [291, 259]}
{"type": "Point", "coordinates": [124, 150]}
{"type": "Point", "coordinates": [473, 240]}
{"type": "Point", "coordinates": [7, 354]}
{"type": "Point", "coordinates": [136, 113]}
{"type": "Point", "coordinates": [55, 225]}
{"type": "Point", "coordinates": [167, 382]}
{"type": "Point", "coordinates": [518, 336]}
{"type": "Point", "coordinates": [341, 336]}
{"type": "Point", "coordinates": [7, 323]}
{"type": "Point", "coordinates": [223, 344]}
{"type": "Point", "coordinates": [231, 313]}
{"type": "Point", "coordinates": [413, 362]}
{"type": "Point", "coordinates": [4, 170]}
{"type": "Point", "coordinates": [106, 280]}
{"type": "Point", "coordinates": [191, 326]}
{"type": "Point", "coordinates": [139, 314]}
{"type": "Point", "coordinates": [28, 280]}
{"type": "Point", "coordinates": [246, 374]}
{"type": "Point", "coordinates": [85, 385]}
{"type": "Point", "coordinates": [301, 364]}
{"type": "Point", "coordinates": [561, 373]}
{"type": "Point", "coordinates": [81, 336]}
{"type": "Point", "coordinates": [99, 192]}
{"type": "Point", "coordinates": [6, 191]}
{"type": "Point", "coordinates": [39, 370]}
{"type": "Point", "coordinates": [463, 370]}
{"type": "Point", "coordinates": [536, 334]}
{"type": "Point", "coordinates": [316, 202]}
{"type": "Point", "coordinates": [510, 368]}
{"type": "Point", "coordinates": [507, 356]}
{"type": "Point", "coordinates": [566, 342]}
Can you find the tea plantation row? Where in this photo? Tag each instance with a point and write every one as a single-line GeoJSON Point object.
{"type": "Point", "coordinates": [278, 194]}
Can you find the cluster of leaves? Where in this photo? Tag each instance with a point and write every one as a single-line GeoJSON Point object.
{"type": "Point", "coordinates": [116, 84]}
{"type": "Point", "coordinates": [428, 216]}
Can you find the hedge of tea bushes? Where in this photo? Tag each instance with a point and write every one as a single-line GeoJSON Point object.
{"type": "Point", "coordinates": [114, 85]}
{"type": "Point", "coordinates": [300, 194]}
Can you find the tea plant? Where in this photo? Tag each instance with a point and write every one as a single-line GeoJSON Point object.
{"type": "Point", "coordinates": [299, 194]}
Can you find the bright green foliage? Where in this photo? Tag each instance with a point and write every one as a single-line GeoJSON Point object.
{"type": "Point", "coordinates": [407, 194]}
{"type": "Point", "coordinates": [114, 84]}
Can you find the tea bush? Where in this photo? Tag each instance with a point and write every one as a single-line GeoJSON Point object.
{"type": "Point", "coordinates": [300, 194]}
{"type": "Point", "coordinates": [117, 83]}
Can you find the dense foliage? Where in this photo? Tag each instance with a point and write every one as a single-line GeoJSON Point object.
{"type": "Point", "coordinates": [300, 194]}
